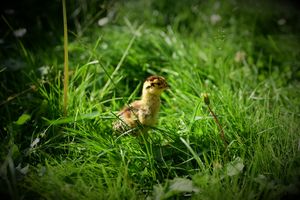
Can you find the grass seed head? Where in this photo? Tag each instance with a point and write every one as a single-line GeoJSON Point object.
{"type": "Point", "coordinates": [206, 98]}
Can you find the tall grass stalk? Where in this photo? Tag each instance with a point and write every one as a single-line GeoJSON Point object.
{"type": "Point", "coordinates": [66, 59]}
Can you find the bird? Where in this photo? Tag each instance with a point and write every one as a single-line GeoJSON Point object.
{"type": "Point", "coordinates": [142, 114]}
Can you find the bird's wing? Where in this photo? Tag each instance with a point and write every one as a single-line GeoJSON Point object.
{"type": "Point", "coordinates": [129, 114]}
{"type": "Point", "coordinates": [133, 108]}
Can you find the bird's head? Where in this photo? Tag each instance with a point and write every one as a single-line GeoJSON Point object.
{"type": "Point", "coordinates": [155, 85]}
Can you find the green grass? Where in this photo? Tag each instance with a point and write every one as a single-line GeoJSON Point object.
{"type": "Point", "coordinates": [256, 100]}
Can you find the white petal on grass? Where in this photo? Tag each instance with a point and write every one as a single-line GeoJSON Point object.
{"type": "Point", "coordinates": [215, 18]}
{"type": "Point", "coordinates": [44, 70]}
{"type": "Point", "coordinates": [20, 32]}
{"type": "Point", "coordinates": [182, 185]}
{"type": "Point", "coordinates": [103, 21]}
{"type": "Point", "coordinates": [35, 142]}
{"type": "Point", "coordinates": [281, 22]}
{"type": "Point", "coordinates": [168, 40]}
{"type": "Point", "coordinates": [235, 167]}
{"type": "Point", "coordinates": [174, 187]}
{"type": "Point", "coordinates": [23, 170]}
{"type": "Point", "coordinates": [104, 45]}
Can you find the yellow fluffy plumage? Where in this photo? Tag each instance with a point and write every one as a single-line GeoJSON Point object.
{"type": "Point", "coordinates": [142, 112]}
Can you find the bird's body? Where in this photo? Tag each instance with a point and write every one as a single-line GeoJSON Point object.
{"type": "Point", "coordinates": [144, 112]}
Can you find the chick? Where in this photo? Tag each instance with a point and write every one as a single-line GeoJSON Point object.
{"type": "Point", "coordinates": [142, 113]}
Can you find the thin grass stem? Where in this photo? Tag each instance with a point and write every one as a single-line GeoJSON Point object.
{"type": "Point", "coordinates": [66, 59]}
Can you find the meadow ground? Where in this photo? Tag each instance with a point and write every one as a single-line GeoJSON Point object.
{"type": "Point", "coordinates": [244, 55]}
